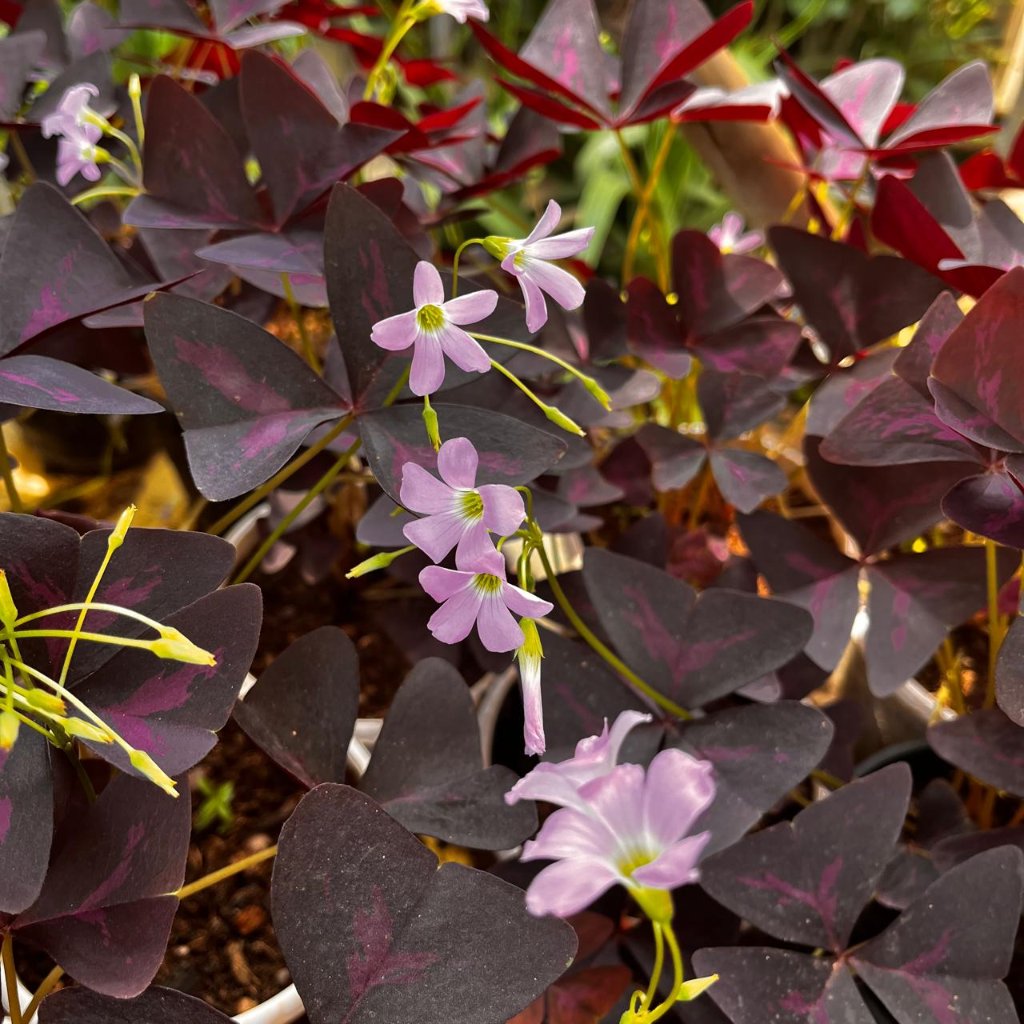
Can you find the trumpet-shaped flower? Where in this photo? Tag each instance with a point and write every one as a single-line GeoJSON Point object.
{"type": "Point", "coordinates": [460, 10]}
{"type": "Point", "coordinates": [630, 827]}
{"type": "Point", "coordinates": [455, 510]}
{"type": "Point", "coordinates": [433, 330]}
{"type": "Point", "coordinates": [729, 235]}
{"type": "Point", "coordinates": [77, 152]}
{"type": "Point", "coordinates": [478, 594]}
{"type": "Point", "coordinates": [529, 656]}
{"type": "Point", "coordinates": [528, 260]}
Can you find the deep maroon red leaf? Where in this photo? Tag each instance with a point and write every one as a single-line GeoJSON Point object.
{"type": "Point", "coordinates": [26, 820]}
{"type": "Point", "coordinates": [914, 363]}
{"type": "Point", "coordinates": [985, 744]}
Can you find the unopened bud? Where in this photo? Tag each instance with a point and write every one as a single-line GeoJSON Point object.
{"type": "Point", "coordinates": [598, 392]}
{"type": "Point", "coordinates": [381, 560]}
{"type": "Point", "coordinates": [117, 535]}
{"type": "Point", "coordinates": [143, 763]}
{"type": "Point", "coordinates": [134, 87]}
{"type": "Point", "coordinates": [83, 730]}
{"type": "Point", "coordinates": [689, 990]}
{"type": "Point", "coordinates": [8, 609]}
{"type": "Point", "coordinates": [173, 645]}
{"type": "Point", "coordinates": [430, 422]}
{"type": "Point", "coordinates": [9, 726]}
{"type": "Point", "coordinates": [560, 419]}
{"type": "Point", "coordinates": [44, 701]}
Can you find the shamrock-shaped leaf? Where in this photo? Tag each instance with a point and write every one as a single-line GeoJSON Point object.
{"type": "Point", "coordinates": [372, 929]}
{"type": "Point", "coordinates": [26, 820]}
{"type": "Point", "coordinates": [154, 1006]}
{"type": "Point", "coordinates": [987, 745]}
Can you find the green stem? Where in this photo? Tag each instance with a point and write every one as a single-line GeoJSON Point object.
{"type": "Point", "coordinates": [455, 262]}
{"type": "Point", "coordinates": [659, 963]}
{"type": "Point", "coordinates": [74, 635]}
{"type": "Point", "coordinates": [48, 985]}
{"type": "Point", "coordinates": [279, 478]}
{"type": "Point", "coordinates": [594, 642]}
{"type": "Point", "coordinates": [11, 979]}
{"type": "Point", "coordinates": [102, 192]}
{"type": "Point", "coordinates": [403, 23]}
{"type": "Point", "coordinates": [680, 978]}
{"type": "Point", "coordinates": [13, 497]}
{"type": "Point", "coordinates": [98, 606]}
{"type": "Point", "coordinates": [995, 630]}
{"type": "Point", "coordinates": [321, 485]}
{"type": "Point", "coordinates": [549, 411]}
{"type": "Point", "coordinates": [224, 873]}
{"type": "Point", "coordinates": [296, 311]}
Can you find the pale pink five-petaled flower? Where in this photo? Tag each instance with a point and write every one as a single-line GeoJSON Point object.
{"type": "Point", "coordinates": [478, 594]}
{"type": "Point", "coordinates": [455, 510]}
{"type": "Point", "coordinates": [527, 259]}
{"type": "Point", "coordinates": [432, 329]}
{"type": "Point", "coordinates": [625, 826]}
{"type": "Point", "coordinates": [729, 235]}
{"type": "Point", "coordinates": [76, 148]}
{"type": "Point", "coordinates": [460, 10]}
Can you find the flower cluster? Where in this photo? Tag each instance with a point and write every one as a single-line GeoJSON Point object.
{"type": "Point", "coordinates": [617, 824]}
{"type": "Point", "coordinates": [77, 134]}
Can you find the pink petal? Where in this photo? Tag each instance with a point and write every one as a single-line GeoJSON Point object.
{"type": "Point", "coordinates": [536, 304]}
{"type": "Point", "coordinates": [427, 373]}
{"type": "Point", "coordinates": [558, 247]}
{"type": "Point", "coordinates": [396, 332]}
{"type": "Point", "coordinates": [569, 833]}
{"type": "Point", "coordinates": [504, 510]}
{"type": "Point", "coordinates": [678, 790]}
{"type": "Point", "coordinates": [474, 544]}
{"type": "Point", "coordinates": [423, 492]}
{"type": "Point", "coordinates": [471, 308]}
{"type": "Point", "coordinates": [453, 621]}
{"type": "Point", "coordinates": [436, 535]}
{"type": "Point", "coordinates": [499, 631]}
{"type": "Point", "coordinates": [523, 603]}
{"type": "Point", "coordinates": [457, 461]}
{"type": "Point", "coordinates": [626, 722]}
{"type": "Point", "coordinates": [549, 783]}
{"type": "Point", "coordinates": [465, 352]}
{"type": "Point", "coordinates": [558, 283]}
{"type": "Point", "coordinates": [676, 866]}
{"type": "Point", "coordinates": [427, 288]}
{"type": "Point", "coordinates": [441, 584]}
{"type": "Point", "coordinates": [617, 798]}
{"type": "Point", "coordinates": [489, 561]}
{"type": "Point", "coordinates": [569, 886]}
{"type": "Point", "coordinates": [533, 706]}
{"type": "Point", "coordinates": [547, 223]}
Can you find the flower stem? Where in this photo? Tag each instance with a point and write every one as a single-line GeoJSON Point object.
{"type": "Point", "coordinates": [455, 262]}
{"type": "Point", "coordinates": [13, 497]}
{"type": "Point", "coordinates": [403, 22]}
{"type": "Point", "coordinates": [235, 868]}
{"type": "Point", "coordinates": [995, 626]}
{"type": "Point", "coordinates": [321, 485]}
{"type": "Point", "coordinates": [593, 641]}
{"type": "Point", "coordinates": [103, 192]}
{"type": "Point", "coordinates": [659, 963]}
{"type": "Point", "coordinates": [296, 311]}
{"type": "Point", "coordinates": [643, 215]}
{"type": "Point", "coordinates": [549, 411]}
{"type": "Point", "coordinates": [680, 977]}
{"type": "Point", "coordinates": [279, 478]}
{"type": "Point", "coordinates": [11, 979]}
{"type": "Point", "coordinates": [48, 985]}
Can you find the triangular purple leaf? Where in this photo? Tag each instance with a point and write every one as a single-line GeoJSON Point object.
{"type": "Point", "coordinates": [26, 820]}
{"type": "Point", "coordinates": [985, 744]}
{"type": "Point", "coordinates": [154, 1006]}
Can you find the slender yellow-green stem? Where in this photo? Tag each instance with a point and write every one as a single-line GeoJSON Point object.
{"type": "Point", "coordinates": [11, 979]}
{"type": "Point", "coordinates": [98, 606]}
{"type": "Point", "coordinates": [279, 478]}
{"type": "Point", "coordinates": [13, 497]}
{"type": "Point", "coordinates": [103, 192]}
{"type": "Point", "coordinates": [224, 873]}
{"type": "Point", "coordinates": [321, 485]}
{"type": "Point", "coordinates": [643, 214]}
{"type": "Point", "coordinates": [659, 963]}
{"type": "Point", "coordinates": [48, 985]}
{"type": "Point", "coordinates": [595, 643]}
{"type": "Point", "coordinates": [296, 311]}
{"type": "Point", "coordinates": [680, 977]}
{"type": "Point", "coordinates": [455, 262]}
{"type": "Point", "coordinates": [995, 630]}
{"type": "Point", "coordinates": [403, 22]}
{"type": "Point", "coordinates": [549, 411]}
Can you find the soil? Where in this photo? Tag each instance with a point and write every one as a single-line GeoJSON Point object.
{"type": "Point", "coordinates": [222, 947]}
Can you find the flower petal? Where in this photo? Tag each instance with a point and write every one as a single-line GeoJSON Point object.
{"type": "Point", "coordinates": [423, 492]}
{"type": "Point", "coordinates": [504, 510]}
{"type": "Point", "coordinates": [536, 304]}
{"type": "Point", "coordinates": [453, 621]}
{"type": "Point", "coordinates": [499, 631]}
{"type": "Point", "coordinates": [523, 603]}
{"type": "Point", "coordinates": [567, 834]}
{"type": "Point", "coordinates": [533, 705]}
{"type": "Point", "coordinates": [465, 352]}
{"type": "Point", "coordinates": [427, 373]}
{"type": "Point", "coordinates": [617, 799]}
{"type": "Point", "coordinates": [489, 561]}
{"type": "Point", "coordinates": [548, 783]}
{"type": "Point", "coordinates": [441, 584]}
{"type": "Point", "coordinates": [626, 722]}
{"type": "Point", "coordinates": [427, 287]}
{"type": "Point", "coordinates": [558, 247]}
{"type": "Point", "coordinates": [676, 866]}
{"type": "Point", "coordinates": [678, 790]}
{"type": "Point", "coordinates": [396, 332]}
{"type": "Point", "coordinates": [457, 461]}
{"type": "Point", "coordinates": [548, 222]}
{"type": "Point", "coordinates": [569, 886]}
{"type": "Point", "coordinates": [436, 535]}
{"type": "Point", "coordinates": [471, 308]}
{"type": "Point", "coordinates": [474, 544]}
{"type": "Point", "coordinates": [558, 283]}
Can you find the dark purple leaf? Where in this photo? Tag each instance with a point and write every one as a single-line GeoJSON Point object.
{"type": "Point", "coordinates": [733, 403]}
{"type": "Point", "coordinates": [169, 709]}
{"type": "Point", "coordinates": [942, 960]}
{"type": "Point", "coordinates": [746, 478]}
{"type": "Point", "coordinates": [653, 330]}
{"type": "Point", "coordinates": [104, 914]}
{"type": "Point", "coordinates": [807, 881]}
{"type": "Point", "coordinates": [760, 752]}
{"type": "Point", "coordinates": [759, 345]}
{"type": "Point", "coordinates": [303, 707]}
{"type": "Point", "coordinates": [26, 820]}
{"type": "Point", "coordinates": [841, 392]}
{"type": "Point", "coordinates": [427, 772]}
{"type": "Point", "coordinates": [985, 744]}
{"type": "Point", "coordinates": [675, 458]}
{"type": "Point", "coordinates": [1010, 672]}
{"type": "Point", "coordinates": [19, 54]}
{"type": "Point", "coordinates": [194, 175]}
{"type": "Point", "coordinates": [511, 451]}
{"type": "Point", "coordinates": [991, 504]}
{"type": "Point", "coordinates": [914, 363]}
{"type": "Point", "coordinates": [760, 985]}
{"type": "Point", "coordinates": [586, 487]}
{"type": "Point", "coordinates": [373, 930]}
{"type": "Point", "coordinates": [154, 1006]}
{"type": "Point", "coordinates": [245, 400]}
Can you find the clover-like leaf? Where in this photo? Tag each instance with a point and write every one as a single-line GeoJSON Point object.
{"type": "Point", "coordinates": [985, 744]}
{"type": "Point", "coordinates": [104, 913]}
{"type": "Point", "coordinates": [26, 821]}
{"type": "Point", "coordinates": [372, 929]}
{"type": "Point", "coordinates": [808, 881]}
{"type": "Point", "coordinates": [154, 1006]}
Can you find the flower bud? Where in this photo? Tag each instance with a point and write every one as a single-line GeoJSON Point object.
{"type": "Point", "coordinates": [143, 763]}
{"type": "Point", "coordinates": [529, 656]}
{"type": "Point", "coordinates": [8, 609]}
{"type": "Point", "coordinates": [83, 730]}
{"type": "Point", "coordinates": [433, 428]}
{"type": "Point", "coordinates": [117, 535]}
{"type": "Point", "coordinates": [560, 419]}
{"type": "Point", "coordinates": [44, 701]}
{"type": "Point", "coordinates": [9, 726]}
{"type": "Point", "coordinates": [381, 560]}
{"type": "Point", "coordinates": [689, 990]}
{"type": "Point", "coordinates": [173, 645]}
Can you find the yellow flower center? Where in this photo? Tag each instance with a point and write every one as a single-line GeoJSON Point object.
{"type": "Point", "coordinates": [471, 505]}
{"type": "Point", "coordinates": [430, 318]}
{"type": "Point", "coordinates": [487, 583]}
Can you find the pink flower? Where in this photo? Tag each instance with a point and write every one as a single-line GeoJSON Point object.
{"type": "Point", "coordinates": [77, 152]}
{"type": "Point", "coordinates": [630, 828]}
{"type": "Point", "coordinates": [527, 260]}
{"type": "Point", "coordinates": [529, 656]}
{"type": "Point", "coordinates": [431, 330]}
{"type": "Point", "coordinates": [460, 10]}
{"type": "Point", "coordinates": [730, 237]}
{"type": "Point", "coordinates": [559, 783]}
{"type": "Point", "coordinates": [478, 594]}
{"type": "Point", "coordinates": [456, 511]}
